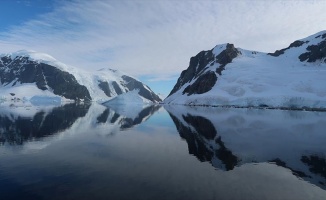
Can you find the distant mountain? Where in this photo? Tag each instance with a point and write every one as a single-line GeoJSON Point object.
{"type": "Point", "coordinates": [36, 76]}
{"type": "Point", "coordinates": [293, 77]}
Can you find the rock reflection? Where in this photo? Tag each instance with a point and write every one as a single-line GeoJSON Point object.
{"type": "Point", "coordinates": [16, 128]}
{"type": "Point", "coordinates": [19, 124]}
{"type": "Point", "coordinates": [203, 140]}
{"type": "Point", "coordinates": [317, 165]}
{"type": "Point", "coordinates": [126, 117]}
{"type": "Point", "coordinates": [232, 137]}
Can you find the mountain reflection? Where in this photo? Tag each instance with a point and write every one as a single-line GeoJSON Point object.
{"type": "Point", "coordinates": [203, 141]}
{"type": "Point", "coordinates": [232, 137]}
{"type": "Point", "coordinates": [21, 124]}
{"type": "Point", "coordinates": [15, 128]}
{"type": "Point", "coordinates": [126, 117]}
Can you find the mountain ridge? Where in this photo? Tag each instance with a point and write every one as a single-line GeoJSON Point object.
{"type": "Point", "coordinates": [54, 79]}
{"type": "Point", "coordinates": [227, 76]}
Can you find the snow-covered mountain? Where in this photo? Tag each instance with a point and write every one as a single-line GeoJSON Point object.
{"type": "Point", "coordinates": [231, 137]}
{"type": "Point", "coordinates": [36, 76]}
{"type": "Point", "coordinates": [293, 77]}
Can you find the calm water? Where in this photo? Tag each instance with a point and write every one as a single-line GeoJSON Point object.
{"type": "Point", "coordinates": [95, 152]}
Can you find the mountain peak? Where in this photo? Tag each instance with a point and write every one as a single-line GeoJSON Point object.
{"type": "Point", "coordinates": [320, 34]}
{"type": "Point", "coordinates": [107, 69]}
{"type": "Point", "coordinates": [200, 66]}
{"type": "Point", "coordinates": [37, 57]}
{"type": "Point", "coordinates": [309, 49]}
{"type": "Point", "coordinates": [33, 55]}
{"type": "Point", "coordinates": [28, 74]}
{"type": "Point", "coordinates": [227, 76]}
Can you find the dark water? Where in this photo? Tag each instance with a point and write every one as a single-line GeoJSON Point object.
{"type": "Point", "coordinates": [95, 152]}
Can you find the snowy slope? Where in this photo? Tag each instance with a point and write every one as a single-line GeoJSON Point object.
{"type": "Point", "coordinates": [28, 74]}
{"type": "Point", "coordinates": [293, 77]}
{"type": "Point", "coordinates": [131, 105]}
{"type": "Point", "coordinates": [131, 97]}
{"type": "Point", "coordinates": [27, 92]}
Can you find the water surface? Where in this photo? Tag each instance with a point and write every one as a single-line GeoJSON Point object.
{"type": "Point", "coordinates": [150, 152]}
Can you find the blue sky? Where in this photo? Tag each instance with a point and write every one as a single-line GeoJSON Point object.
{"type": "Point", "coordinates": [152, 40]}
{"type": "Point", "coordinates": [15, 13]}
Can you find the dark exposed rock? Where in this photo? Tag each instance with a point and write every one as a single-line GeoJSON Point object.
{"type": "Point", "coordinates": [226, 57]}
{"type": "Point", "coordinates": [114, 118]}
{"type": "Point", "coordinates": [196, 65]}
{"type": "Point", "coordinates": [133, 84]}
{"type": "Point", "coordinates": [144, 114]}
{"type": "Point", "coordinates": [225, 155]}
{"type": "Point", "coordinates": [125, 121]}
{"type": "Point", "coordinates": [323, 36]}
{"type": "Point", "coordinates": [315, 52]}
{"type": "Point", "coordinates": [316, 163]}
{"type": "Point", "coordinates": [196, 146]}
{"type": "Point", "coordinates": [202, 125]}
{"type": "Point", "coordinates": [148, 111]}
{"type": "Point", "coordinates": [113, 88]}
{"type": "Point", "coordinates": [116, 88]}
{"type": "Point", "coordinates": [281, 163]}
{"type": "Point", "coordinates": [203, 84]}
{"type": "Point", "coordinates": [197, 69]}
{"type": "Point", "coordinates": [102, 118]}
{"type": "Point", "coordinates": [45, 76]}
{"type": "Point", "coordinates": [297, 43]}
{"type": "Point", "coordinates": [105, 87]}
{"type": "Point", "coordinates": [198, 140]}
{"type": "Point", "coordinates": [64, 84]}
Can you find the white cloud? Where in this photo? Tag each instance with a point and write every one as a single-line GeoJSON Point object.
{"type": "Point", "coordinates": [159, 37]}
